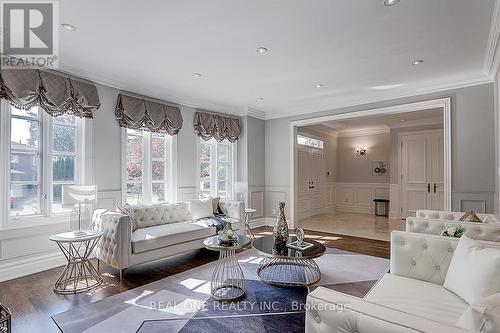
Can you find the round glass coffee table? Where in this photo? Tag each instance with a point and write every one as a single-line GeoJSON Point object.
{"type": "Point", "coordinates": [288, 267]}
{"type": "Point", "coordinates": [228, 281]}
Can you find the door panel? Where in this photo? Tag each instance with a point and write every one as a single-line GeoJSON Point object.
{"type": "Point", "coordinates": [303, 209]}
{"type": "Point", "coordinates": [316, 192]}
{"type": "Point", "coordinates": [422, 169]}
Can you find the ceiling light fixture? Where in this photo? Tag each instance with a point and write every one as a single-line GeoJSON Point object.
{"type": "Point", "coordinates": [417, 62]}
{"type": "Point", "coordinates": [196, 75]}
{"type": "Point", "coordinates": [319, 85]}
{"type": "Point", "coordinates": [261, 50]}
{"type": "Point", "coordinates": [68, 27]}
{"type": "Point", "coordinates": [390, 2]}
{"type": "Point", "coordinates": [260, 99]}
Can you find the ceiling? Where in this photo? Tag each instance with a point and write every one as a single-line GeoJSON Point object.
{"type": "Point", "coordinates": [380, 124]}
{"type": "Point", "coordinates": [153, 47]}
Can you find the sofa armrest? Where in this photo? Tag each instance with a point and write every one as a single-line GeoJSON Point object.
{"type": "Point", "coordinates": [114, 246]}
{"type": "Point", "coordinates": [233, 209]}
{"type": "Point", "coordinates": [331, 311]}
{"type": "Point", "coordinates": [421, 256]}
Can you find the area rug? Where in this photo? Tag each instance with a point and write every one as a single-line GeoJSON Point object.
{"type": "Point", "coordinates": [179, 301]}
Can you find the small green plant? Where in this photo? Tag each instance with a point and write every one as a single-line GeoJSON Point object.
{"type": "Point", "coordinates": [456, 232]}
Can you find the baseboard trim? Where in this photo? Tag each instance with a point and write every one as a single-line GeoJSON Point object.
{"type": "Point", "coordinates": [34, 264]}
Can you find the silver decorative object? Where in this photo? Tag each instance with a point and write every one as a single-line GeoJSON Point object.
{"type": "Point", "coordinates": [280, 231]}
{"type": "Point", "coordinates": [300, 235]}
{"type": "Point", "coordinates": [5, 319]}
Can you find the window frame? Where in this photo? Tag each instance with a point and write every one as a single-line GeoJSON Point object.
{"type": "Point", "coordinates": [147, 159]}
{"type": "Point", "coordinates": [83, 170]}
{"type": "Point", "coordinates": [233, 169]}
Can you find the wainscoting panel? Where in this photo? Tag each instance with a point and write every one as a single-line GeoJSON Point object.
{"type": "Point", "coordinates": [480, 202]}
{"type": "Point", "coordinates": [358, 197]}
{"type": "Point", "coordinates": [256, 201]}
{"type": "Point", "coordinates": [186, 193]}
{"type": "Point", "coordinates": [273, 196]}
{"type": "Point", "coordinates": [109, 199]}
{"type": "Point", "coordinates": [329, 194]}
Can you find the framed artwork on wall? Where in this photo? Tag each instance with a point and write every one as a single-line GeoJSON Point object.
{"type": "Point", "coordinates": [379, 168]}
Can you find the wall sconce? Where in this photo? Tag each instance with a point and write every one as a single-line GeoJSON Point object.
{"type": "Point", "coordinates": [361, 151]}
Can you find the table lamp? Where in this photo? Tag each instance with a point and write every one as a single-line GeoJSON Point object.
{"type": "Point", "coordinates": [79, 194]}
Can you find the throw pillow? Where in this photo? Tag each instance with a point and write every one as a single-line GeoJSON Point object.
{"type": "Point", "coordinates": [474, 271]}
{"type": "Point", "coordinates": [127, 210]}
{"type": "Point", "coordinates": [215, 205]}
{"type": "Point", "coordinates": [470, 217]}
{"type": "Point", "coordinates": [482, 316]}
{"type": "Point", "coordinates": [201, 208]}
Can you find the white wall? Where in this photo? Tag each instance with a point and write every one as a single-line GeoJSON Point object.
{"type": "Point", "coordinates": [358, 169]}
{"type": "Point", "coordinates": [473, 144]}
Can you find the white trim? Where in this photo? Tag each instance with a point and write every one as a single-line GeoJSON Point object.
{"type": "Point", "coordinates": [492, 59]}
{"type": "Point", "coordinates": [31, 265]}
{"type": "Point", "coordinates": [361, 132]}
{"type": "Point", "coordinates": [444, 103]}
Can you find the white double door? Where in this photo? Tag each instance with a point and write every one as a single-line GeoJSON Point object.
{"type": "Point", "coordinates": [422, 172]}
{"type": "Point", "coordinates": [311, 165]}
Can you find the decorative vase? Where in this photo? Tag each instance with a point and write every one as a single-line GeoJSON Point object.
{"type": "Point", "coordinates": [280, 231]}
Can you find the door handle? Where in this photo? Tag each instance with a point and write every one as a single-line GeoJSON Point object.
{"type": "Point", "coordinates": [435, 187]}
{"type": "Point", "coordinates": [428, 187]}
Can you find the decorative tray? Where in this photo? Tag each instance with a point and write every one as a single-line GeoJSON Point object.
{"type": "Point", "coordinates": [299, 245]}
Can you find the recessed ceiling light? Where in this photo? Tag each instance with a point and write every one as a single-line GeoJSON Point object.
{"type": "Point", "coordinates": [417, 62]}
{"type": "Point", "coordinates": [260, 99]}
{"type": "Point", "coordinates": [261, 50]}
{"type": "Point", "coordinates": [402, 120]}
{"type": "Point", "coordinates": [319, 85]}
{"type": "Point", "coordinates": [68, 27]}
{"type": "Point", "coordinates": [390, 2]}
{"type": "Point", "coordinates": [196, 75]}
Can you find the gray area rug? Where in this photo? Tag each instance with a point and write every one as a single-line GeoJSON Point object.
{"type": "Point", "coordinates": [180, 297]}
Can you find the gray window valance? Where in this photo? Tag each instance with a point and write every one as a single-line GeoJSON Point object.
{"type": "Point", "coordinates": [210, 125]}
{"type": "Point", "coordinates": [138, 113]}
{"type": "Point", "coordinates": [55, 93]}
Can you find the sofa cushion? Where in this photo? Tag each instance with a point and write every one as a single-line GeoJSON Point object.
{"type": "Point", "coordinates": [424, 299]}
{"type": "Point", "coordinates": [152, 238]}
{"type": "Point", "coordinates": [474, 271]}
{"type": "Point", "coordinates": [149, 216]}
{"type": "Point", "coordinates": [200, 208]}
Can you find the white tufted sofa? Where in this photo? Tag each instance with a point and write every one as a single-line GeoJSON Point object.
{"type": "Point", "coordinates": [434, 222]}
{"type": "Point", "coordinates": [411, 298]}
{"type": "Point", "coordinates": [174, 232]}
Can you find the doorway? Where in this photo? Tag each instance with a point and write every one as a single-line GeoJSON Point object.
{"type": "Point", "coordinates": [442, 197]}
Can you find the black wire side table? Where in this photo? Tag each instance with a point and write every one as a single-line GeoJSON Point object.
{"type": "Point", "coordinates": [79, 275]}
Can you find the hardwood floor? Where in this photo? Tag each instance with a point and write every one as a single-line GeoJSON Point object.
{"type": "Point", "coordinates": [33, 302]}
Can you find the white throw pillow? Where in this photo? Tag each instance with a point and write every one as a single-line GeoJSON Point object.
{"type": "Point", "coordinates": [201, 208]}
{"type": "Point", "coordinates": [482, 316]}
{"type": "Point", "coordinates": [474, 271]}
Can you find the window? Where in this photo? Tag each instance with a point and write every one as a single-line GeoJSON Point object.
{"type": "Point", "coordinates": [216, 168]}
{"type": "Point", "coordinates": [43, 156]}
{"type": "Point", "coordinates": [310, 142]}
{"type": "Point", "coordinates": [148, 167]}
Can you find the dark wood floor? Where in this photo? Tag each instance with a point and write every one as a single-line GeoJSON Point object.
{"type": "Point", "coordinates": [33, 302]}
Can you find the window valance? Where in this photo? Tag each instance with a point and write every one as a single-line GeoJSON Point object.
{"type": "Point", "coordinates": [210, 125]}
{"type": "Point", "coordinates": [139, 113]}
{"type": "Point", "coordinates": [55, 93]}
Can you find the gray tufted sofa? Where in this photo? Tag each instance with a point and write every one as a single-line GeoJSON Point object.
{"type": "Point", "coordinates": [434, 222]}
{"type": "Point", "coordinates": [164, 230]}
{"type": "Point", "coordinates": [411, 298]}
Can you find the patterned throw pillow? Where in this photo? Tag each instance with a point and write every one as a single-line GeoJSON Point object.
{"type": "Point", "coordinates": [215, 205]}
{"type": "Point", "coordinates": [470, 217]}
{"type": "Point", "coordinates": [127, 210]}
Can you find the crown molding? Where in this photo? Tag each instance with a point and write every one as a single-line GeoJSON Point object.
{"type": "Point", "coordinates": [492, 60]}
{"type": "Point", "coordinates": [256, 114]}
{"type": "Point", "coordinates": [360, 100]}
{"type": "Point", "coordinates": [364, 132]}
